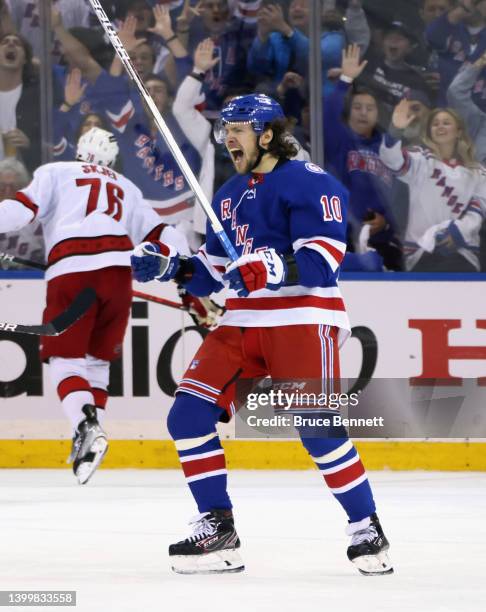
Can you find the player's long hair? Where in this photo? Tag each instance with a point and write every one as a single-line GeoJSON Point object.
{"type": "Point", "coordinates": [464, 150]}
{"type": "Point", "coordinates": [281, 145]}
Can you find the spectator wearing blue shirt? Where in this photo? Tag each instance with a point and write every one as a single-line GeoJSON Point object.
{"type": "Point", "coordinates": [69, 121]}
{"type": "Point", "coordinates": [283, 45]}
{"type": "Point", "coordinates": [352, 142]}
{"type": "Point", "coordinates": [231, 37]}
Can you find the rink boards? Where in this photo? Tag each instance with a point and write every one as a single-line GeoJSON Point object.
{"type": "Point", "coordinates": [403, 329]}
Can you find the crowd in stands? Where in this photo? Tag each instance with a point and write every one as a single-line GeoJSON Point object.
{"type": "Point", "coordinates": [404, 108]}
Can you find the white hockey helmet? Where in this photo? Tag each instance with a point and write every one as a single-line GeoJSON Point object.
{"type": "Point", "coordinates": [97, 146]}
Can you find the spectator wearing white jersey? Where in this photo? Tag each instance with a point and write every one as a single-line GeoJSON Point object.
{"type": "Point", "coordinates": [195, 126]}
{"type": "Point", "coordinates": [445, 183]}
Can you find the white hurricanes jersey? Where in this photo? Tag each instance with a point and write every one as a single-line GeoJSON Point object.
{"type": "Point", "coordinates": [91, 216]}
{"type": "Point", "coordinates": [439, 192]}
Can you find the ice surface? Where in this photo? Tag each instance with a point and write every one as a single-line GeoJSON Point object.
{"type": "Point", "coordinates": [108, 541]}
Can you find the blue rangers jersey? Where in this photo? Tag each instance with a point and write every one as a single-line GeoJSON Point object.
{"type": "Point", "coordinates": [297, 209]}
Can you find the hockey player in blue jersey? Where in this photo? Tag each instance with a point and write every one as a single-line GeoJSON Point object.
{"type": "Point", "coordinates": [285, 318]}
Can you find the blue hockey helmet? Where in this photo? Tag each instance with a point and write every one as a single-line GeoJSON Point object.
{"type": "Point", "coordinates": [254, 109]}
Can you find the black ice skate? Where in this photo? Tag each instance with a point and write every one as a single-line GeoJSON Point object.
{"type": "Point", "coordinates": [368, 547]}
{"type": "Point", "coordinates": [89, 446]}
{"type": "Point", "coordinates": [212, 547]}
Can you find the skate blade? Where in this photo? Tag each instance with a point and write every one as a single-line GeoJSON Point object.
{"type": "Point", "coordinates": [72, 454]}
{"type": "Point", "coordinates": [374, 565]}
{"type": "Point", "coordinates": [87, 469]}
{"type": "Point", "coordinates": [218, 562]}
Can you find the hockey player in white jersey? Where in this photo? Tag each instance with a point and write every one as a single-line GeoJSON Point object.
{"type": "Point", "coordinates": [91, 217]}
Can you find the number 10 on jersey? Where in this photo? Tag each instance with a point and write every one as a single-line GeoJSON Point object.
{"type": "Point", "coordinates": [332, 209]}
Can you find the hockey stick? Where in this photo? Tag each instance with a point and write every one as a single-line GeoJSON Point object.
{"type": "Point", "coordinates": [78, 307]}
{"type": "Point", "coordinates": [159, 300]}
{"type": "Point", "coordinates": [24, 262]}
{"type": "Point", "coordinates": [144, 296]}
{"type": "Point", "coordinates": [164, 130]}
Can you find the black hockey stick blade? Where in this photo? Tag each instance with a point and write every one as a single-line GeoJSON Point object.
{"type": "Point", "coordinates": [7, 258]}
{"type": "Point", "coordinates": [78, 307]}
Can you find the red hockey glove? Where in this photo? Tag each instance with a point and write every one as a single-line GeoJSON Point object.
{"type": "Point", "coordinates": [265, 269]}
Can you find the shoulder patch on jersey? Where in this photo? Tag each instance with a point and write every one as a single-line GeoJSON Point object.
{"type": "Point", "coordinates": [314, 168]}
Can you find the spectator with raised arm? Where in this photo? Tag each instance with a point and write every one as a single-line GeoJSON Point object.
{"type": "Point", "coordinates": [177, 62]}
{"type": "Point", "coordinates": [142, 52]}
{"type": "Point", "coordinates": [293, 96]}
{"type": "Point", "coordinates": [156, 29]}
{"type": "Point", "coordinates": [69, 122]}
{"type": "Point", "coordinates": [352, 142]}
{"type": "Point", "coordinates": [420, 107]}
{"type": "Point", "coordinates": [282, 45]}
{"type": "Point", "coordinates": [195, 126]}
{"type": "Point", "coordinates": [7, 25]}
{"type": "Point", "coordinates": [445, 182]}
{"type": "Point", "coordinates": [231, 36]}
{"type": "Point", "coordinates": [278, 47]}
{"type": "Point", "coordinates": [460, 97]}
{"type": "Point", "coordinates": [76, 56]}
{"type": "Point", "coordinates": [25, 17]}
{"type": "Point", "coordinates": [458, 36]}
{"type": "Point", "coordinates": [67, 116]}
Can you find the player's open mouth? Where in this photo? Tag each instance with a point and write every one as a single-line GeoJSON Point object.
{"type": "Point", "coordinates": [237, 155]}
{"type": "Point", "coordinates": [10, 55]}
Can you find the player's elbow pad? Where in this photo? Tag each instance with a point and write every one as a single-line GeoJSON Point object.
{"type": "Point", "coordinates": [314, 271]}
